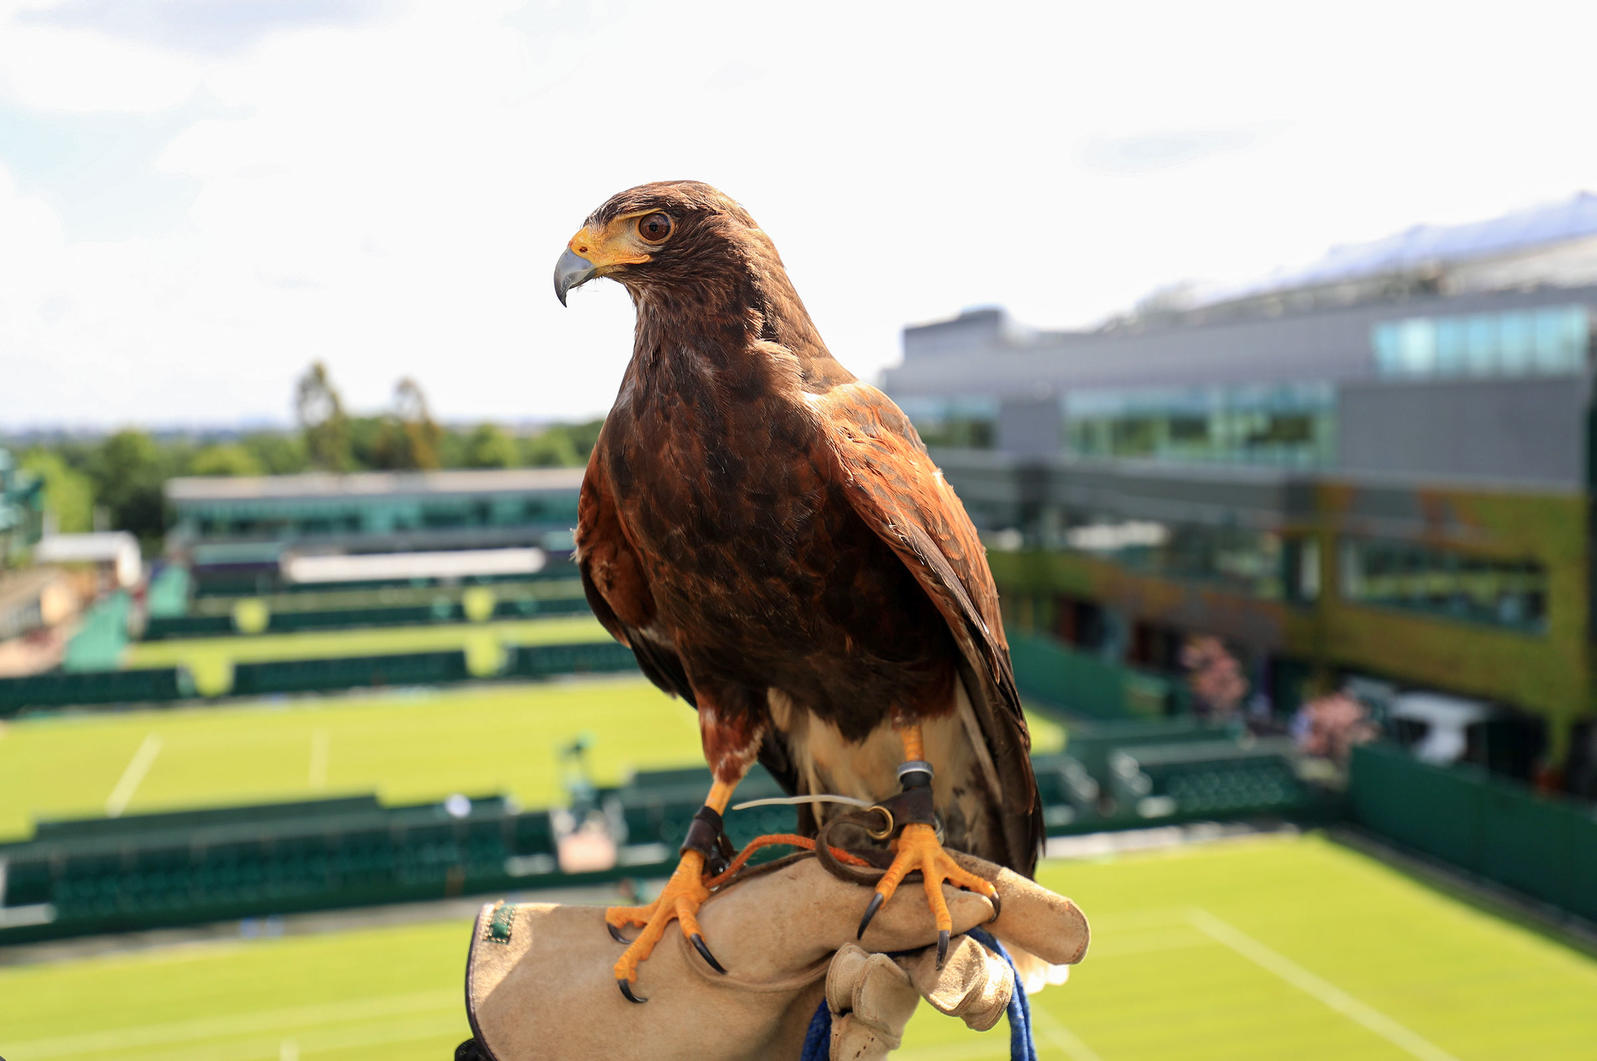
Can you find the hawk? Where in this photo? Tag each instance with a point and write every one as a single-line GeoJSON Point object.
{"type": "Point", "coordinates": [768, 535]}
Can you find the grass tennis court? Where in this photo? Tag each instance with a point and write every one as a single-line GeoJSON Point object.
{"type": "Point", "coordinates": [1268, 949]}
{"type": "Point", "coordinates": [209, 659]}
{"type": "Point", "coordinates": [406, 746]}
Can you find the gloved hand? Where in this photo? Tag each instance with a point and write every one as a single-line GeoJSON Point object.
{"type": "Point", "coordinates": [539, 979]}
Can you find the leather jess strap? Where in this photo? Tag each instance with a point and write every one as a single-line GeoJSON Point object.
{"type": "Point", "coordinates": [707, 836]}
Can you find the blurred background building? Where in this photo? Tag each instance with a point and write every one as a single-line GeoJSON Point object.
{"type": "Point", "coordinates": [21, 510]}
{"type": "Point", "coordinates": [1374, 472]}
{"type": "Point", "coordinates": [257, 534]}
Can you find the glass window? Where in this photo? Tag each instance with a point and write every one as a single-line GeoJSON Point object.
{"type": "Point", "coordinates": [1301, 563]}
{"type": "Point", "coordinates": [1562, 336]}
{"type": "Point", "coordinates": [968, 422]}
{"type": "Point", "coordinates": [1451, 341]}
{"type": "Point", "coordinates": [1516, 334]}
{"type": "Point", "coordinates": [1445, 583]}
{"type": "Point", "coordinates": [1289, 425]}
{"type": "Point", "coordinates": [1481, 344]}
{"type": "Point", "coordinates": [1388, 350]}
{"type": "Point", "coordinates": [1247, 561]}
{"type": "Point", "coordinates": [1551, 340]}
{"type": "Point", "coordinates": [1418, 344]}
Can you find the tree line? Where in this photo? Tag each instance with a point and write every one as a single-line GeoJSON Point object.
{"type": "Point", "coordinates": [116, 482]}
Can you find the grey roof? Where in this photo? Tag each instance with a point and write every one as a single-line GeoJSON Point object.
{"type": "Point", "coordinates": [1439, 245]}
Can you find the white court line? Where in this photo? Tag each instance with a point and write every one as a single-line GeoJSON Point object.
{"type": "Point", "coordinates": [1121, 948]}
{"type": "Point", "coordinates": [1062, 1036]}
{"type": "Point", "coordinates": [349, 1037]}
{"type": "Point", "coordinates": [318, 775]}
{"type": "Point", "coordinates": [138, 766]}
{"type": "Point", "coordinates": [164, 1035]}
{"type": "Point", "coordinates": [1327, 992]}
{"type": "Point", "coordinates": [289, 1051]}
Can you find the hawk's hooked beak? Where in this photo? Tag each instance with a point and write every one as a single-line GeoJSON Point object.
{"type": "Point", "coordinates": [598, 252]}
{"type": "Point", "coordinates": [572, 270]}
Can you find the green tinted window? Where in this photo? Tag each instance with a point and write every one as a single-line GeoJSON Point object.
{"type": "Point", "coordinates": [1448, 583]}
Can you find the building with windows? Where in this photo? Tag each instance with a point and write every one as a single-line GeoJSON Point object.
{"type": "Point", "coordinates": [1377, 470]}
{"type": "Point", "coordinates": [253, 534]}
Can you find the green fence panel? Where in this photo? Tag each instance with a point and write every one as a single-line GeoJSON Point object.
{"type": "Point", "coordinates": [160, 628]}
{"type": "Point", "coordinates": [1542, 846]}
{"type": "Point", "coordinates": [544, 661]}
{"type": "Point", "coordinates": [1583, 867]}
{"type": "Point", "coordinates": [28, 880]}
{"type": "Point", "coordinates": [347, 672]}
{"type": "Point", "coordinates": [1525, 843]}
{"type": "Point", "coordinates": [534, 834]}
{"type": "Point", "coordinates": [346, 618]}
{"type": "Point", "coordinates": [284, 621]}
{"type": "Point", "coordinates": [1430, 808]}
{"type": "Point", "coordinates": [58, 689]}
{"type": "Point", "coordinates": [529, 607]}
{"type": "Point", "coordinates": [177, 821]}
{"type": "Point", "coordinates": [1082, 684]}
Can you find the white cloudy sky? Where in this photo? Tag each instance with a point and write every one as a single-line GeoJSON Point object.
{"type": "Point", "coordinates": [198, 197]}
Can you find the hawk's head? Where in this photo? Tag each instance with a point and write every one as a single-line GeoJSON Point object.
{"type": "Point", "coordinates": [657, 236]}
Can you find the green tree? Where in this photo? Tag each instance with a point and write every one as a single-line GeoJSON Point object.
{"type": "Point", "coordinates": [226, 458]}
{"type": "Point", "coordinates": [490, 446]}
{"type": "Point", "coordinates": [320, 412]}
{"type": "Point", "coordinates": [584, 436]}
{"type": "Point", "coordinates": [550, 448]}
{"type": "Point", "coordinates": [128, 472]}
{"type": "Point", "coordinates": [368, 442]}
{"type": "Point", "coordinates": [68, 493]}
{"type": "Point", "coordinates": [279, 453]}
{"type": "Point", "coordinates": [413, 433]}
{"type": "Point", "coordinates": [561, 445]}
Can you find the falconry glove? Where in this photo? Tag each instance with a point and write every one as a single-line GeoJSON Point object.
{"type": "Point", "coordinates": [539, 981]}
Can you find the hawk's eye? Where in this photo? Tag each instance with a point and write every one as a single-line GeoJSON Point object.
{"type": "Point", "coordinates": [654, 228]}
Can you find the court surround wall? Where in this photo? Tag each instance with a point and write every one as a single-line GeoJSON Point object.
{"type": "Point", "coordinates": [1542, 846]}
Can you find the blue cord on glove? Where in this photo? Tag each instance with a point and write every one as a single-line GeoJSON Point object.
{"type": "Point", "coordinates": [1021, 1045]}
{"type": "Point", "coordinates": [818, 1040]}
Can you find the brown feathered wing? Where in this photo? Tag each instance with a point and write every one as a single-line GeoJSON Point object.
{"type": "Point", "coordinates": [902, 496]}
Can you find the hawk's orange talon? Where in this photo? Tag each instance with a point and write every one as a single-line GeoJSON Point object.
{"type": "Point", "coordinates": [679, 900]}
{"type": "Point", "coordinates": [918, 849]}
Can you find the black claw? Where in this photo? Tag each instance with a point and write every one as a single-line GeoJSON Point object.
{"type": "Point", "coordinates": [615, 933]}
{"type": "Point", "coordinates": [626, 990]}
{"type": "Point", "coordinates": [942, 947]}
{"type": "Point", "coordinates": [998, 906]}
{"type": "Point", "coordinates": [704, 952]}
{"type": "Point", "coordinates": [870, 911]}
